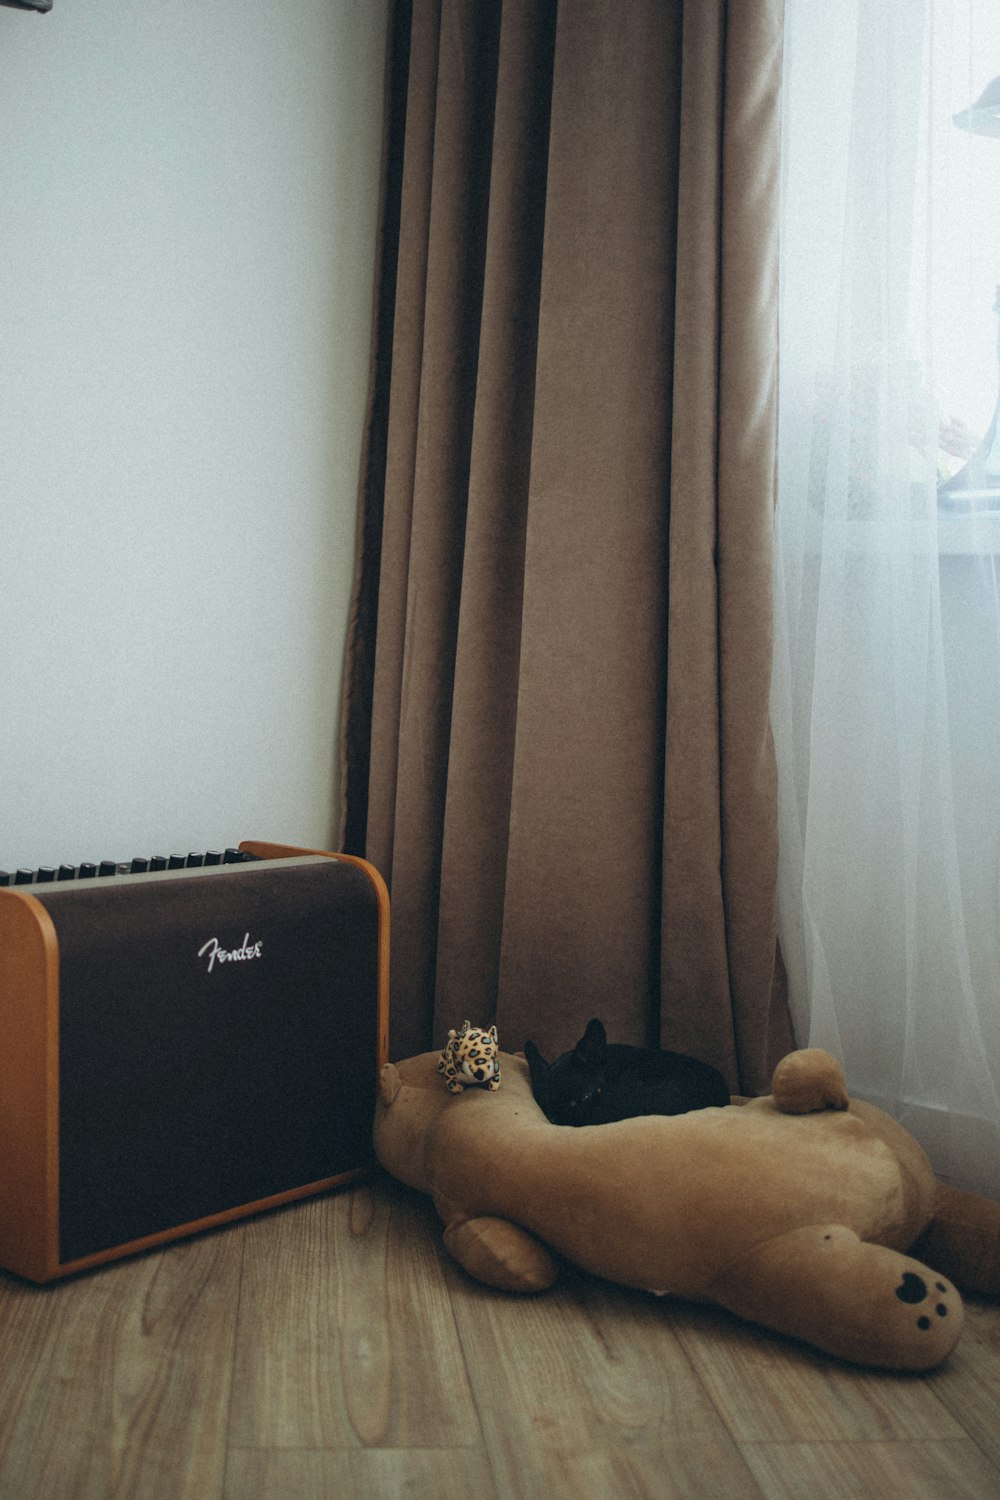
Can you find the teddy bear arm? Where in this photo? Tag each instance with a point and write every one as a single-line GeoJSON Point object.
{"type": "Point", "coordinates": [859, 1301]}
{"type": "Point", "coordinates": [963, 1239]}
{"type": "Point", "coordinates": [500, 1254]}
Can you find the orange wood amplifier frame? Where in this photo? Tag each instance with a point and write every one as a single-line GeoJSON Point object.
{"type": "Point", "coordinates": [31, 1086]}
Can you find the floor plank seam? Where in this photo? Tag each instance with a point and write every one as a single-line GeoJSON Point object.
{"type": "Point", "coordinates": [233, 1346]}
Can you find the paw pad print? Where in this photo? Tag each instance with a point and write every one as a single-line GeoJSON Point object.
{"type": "Point", "coordinates": [914, 1290]}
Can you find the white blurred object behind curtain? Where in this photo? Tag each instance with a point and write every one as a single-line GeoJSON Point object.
{"type": "Point", "coordinates": [886, 697]}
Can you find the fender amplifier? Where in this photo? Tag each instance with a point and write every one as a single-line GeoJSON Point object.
{"type": "Point", "coordinates": [183, 1046]}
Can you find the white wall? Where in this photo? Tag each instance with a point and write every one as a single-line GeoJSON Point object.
{"type": "Point", "coordinates": [188, 195]}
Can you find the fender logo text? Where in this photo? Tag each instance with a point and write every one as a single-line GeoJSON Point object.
{"type": "Point", "coordinates": [218, 955]}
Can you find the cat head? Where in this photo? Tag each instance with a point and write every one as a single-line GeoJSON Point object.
{"type": "Point", "coordinates": [568, 1091]}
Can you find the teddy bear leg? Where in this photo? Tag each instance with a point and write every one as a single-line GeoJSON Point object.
{"type": "Point", "coordinates": [501, 1254]}
{"type": "Point", "coordinates": [859, 1301]}
{"type": "Point", "coordinates": [963, 1239]}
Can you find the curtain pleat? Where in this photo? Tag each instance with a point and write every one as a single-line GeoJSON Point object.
{"type": "Point", "coordinates": [446, 181]}
{"type": "Point", "coordinates": [582, 895]}
{"type": "Point", "coordinates": [720, 817]}
{"type": "Point", "coordinates": [487, 670]}
{"type": "Point", "coordinates": [570, 782]}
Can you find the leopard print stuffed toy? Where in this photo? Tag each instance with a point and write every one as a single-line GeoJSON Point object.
{"type": "Point", "coordinates": [471, 1056]}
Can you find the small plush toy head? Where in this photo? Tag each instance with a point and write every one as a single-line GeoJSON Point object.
{"type": "Point", "coordinates": [471, 1056]}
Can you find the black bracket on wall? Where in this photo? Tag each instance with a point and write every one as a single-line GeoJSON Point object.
{"type": "Point", "coordinates": [39, 5]}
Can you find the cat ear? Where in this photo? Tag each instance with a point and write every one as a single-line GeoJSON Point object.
{"type": "Point", "coordinates": [536, 1062]}
{"type": "Point", "coordinates": [592, 1043]}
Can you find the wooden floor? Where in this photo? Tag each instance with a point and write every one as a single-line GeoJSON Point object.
{"type": "Point", "coordinates": [332, 1350]}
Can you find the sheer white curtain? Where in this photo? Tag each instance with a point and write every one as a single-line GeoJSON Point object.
{"type": "Point", "coordinates": [886, 698]}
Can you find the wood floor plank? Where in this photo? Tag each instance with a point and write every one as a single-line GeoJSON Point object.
{"type": "Point", "coordinates": [417, 1474]}
{"type": "Point", "coordinates": [770, 1389]}
{"type": "Point", "coordinates": [703, 1469]}
{"type": "Point", "coordinates": [335, 1349]}
{"type": "Point", "coordinates": [969, 1384]}
{"type": "Point", "coordinates": [584, 1390]}
{"type": "Point", "coordinates": [126, 1390]}
{"type": "Point", "coordinates": [346, 1335]}
{"type": "Point", "coordinates": [27, 1325]}
{"type": "Point", "coordinates": [576, 1367]}
{"type": "Point", "coordinates": [877, 1471]}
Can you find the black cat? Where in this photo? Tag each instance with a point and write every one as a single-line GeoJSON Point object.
{"type": "Point", "coordinates": [600, 1081]}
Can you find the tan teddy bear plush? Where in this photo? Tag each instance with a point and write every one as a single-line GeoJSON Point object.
{"type": "Point", "coordinates": [794, 1211]}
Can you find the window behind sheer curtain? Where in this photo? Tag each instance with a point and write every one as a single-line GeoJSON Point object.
{"type": "Point", "coordinates": [886, 697]}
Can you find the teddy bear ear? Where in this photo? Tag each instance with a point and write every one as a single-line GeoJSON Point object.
{"type": "Point", "coordinates": [389, 1083]}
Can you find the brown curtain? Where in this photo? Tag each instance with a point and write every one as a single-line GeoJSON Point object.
{"type": "Point", "coordinates": [555, 732]}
